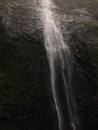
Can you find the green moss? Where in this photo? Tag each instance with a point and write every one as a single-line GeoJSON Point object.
{"type": "Point", "coordinates": [93, 24]}
{"type": "Point", "coordinates": [93, 27]}
{"type": "Point", "coordinates": [69, 5]}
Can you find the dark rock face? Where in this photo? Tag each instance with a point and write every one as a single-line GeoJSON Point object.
{"type": "Point", "coordinates": [25, 101]}
{"type": "Point", "coordinates": [25, 91]}
{"type": "Point", "coordinates": [84, 77]}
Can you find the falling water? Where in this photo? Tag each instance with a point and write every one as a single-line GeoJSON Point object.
{"type": "Point", "coordinates": [58, 54]}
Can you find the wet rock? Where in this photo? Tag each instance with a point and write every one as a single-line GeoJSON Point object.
{"type": "Point", "coordinates": [84, 77]}
{"type": "Point", "coordinates": [24, 82]}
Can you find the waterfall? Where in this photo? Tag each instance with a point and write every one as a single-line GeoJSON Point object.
{"type": "Point", "coordinates": [58, 54]}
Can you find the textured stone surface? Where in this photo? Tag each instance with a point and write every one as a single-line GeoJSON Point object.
{"type": "Point", "coordinates": [25, 91]}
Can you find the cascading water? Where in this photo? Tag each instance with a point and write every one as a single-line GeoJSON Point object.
{"type": "Point", "coordinates": [58, 54]}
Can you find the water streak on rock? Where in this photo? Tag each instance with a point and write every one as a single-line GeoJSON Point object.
{"type": "Point", "coordinates": [58, 54]}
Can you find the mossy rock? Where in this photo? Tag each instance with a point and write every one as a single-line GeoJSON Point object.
{"type": "Point", "coordinates": [93, 25]}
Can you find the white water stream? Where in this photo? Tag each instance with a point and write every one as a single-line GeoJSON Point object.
{"type": "Point", "coordinates": [58, 54]}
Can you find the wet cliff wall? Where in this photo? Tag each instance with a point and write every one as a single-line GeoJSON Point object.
{"type": "Point", "coordinates": [25, 91]}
